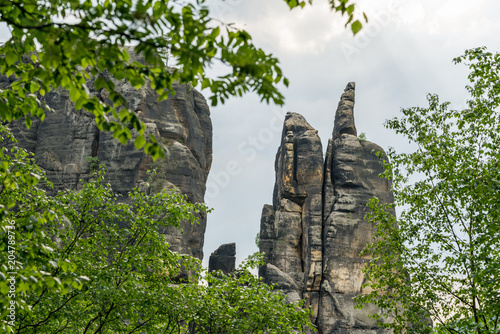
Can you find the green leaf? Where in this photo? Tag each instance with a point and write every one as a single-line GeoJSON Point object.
{"type": "Point", "coordinates": [350, 9]}
{"type": "Point", "coordinates": [74, 94]}
{"type": "Point", "coordinates": [99, 83]}
{"type": "Point", "coordinates": [64, 265]}
{"type": "Point", "coordinates": [215, 32]}
{"type": "Point", "coordinates": [356, 27]}
{"type": "Point", "coordinates": [11, 58]}
{"type": "Point", "coordinates": [27, 121]}
{"type": "Point", "coordinates": [139, 142]}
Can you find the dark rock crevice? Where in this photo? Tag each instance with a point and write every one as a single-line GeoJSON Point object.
{"type": "Point", "coordinates": [294, 166]}
{"type": "Point", "coordinates": [302, 246]}
{"type": "Point", "coordinates": [95, 143]}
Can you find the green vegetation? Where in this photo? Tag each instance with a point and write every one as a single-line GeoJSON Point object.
{"type": "Point", "coordinates": [62, 43]}
{"type": "Point", "coordinates": [93, 163]}
{"type": "Point", "coordinates": [82, 262]}
{"type": "Point", "coordinates": [440, 259]}
{"type": "Point", "coordinates": [242, 304]}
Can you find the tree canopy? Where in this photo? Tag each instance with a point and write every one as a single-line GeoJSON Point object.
{"type": "Point", "coordinates": [440, 259]}
{"type": "Point", "coordinates": [84, 262]}
{"type": "Point", "coordinates": [61, 43]}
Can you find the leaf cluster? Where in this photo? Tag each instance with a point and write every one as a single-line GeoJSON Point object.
{"type": "Point", "coordinates": [61, 44]}
{"type": "Point", "coordinates": [242, 303]}
{"type": "Point", "coordinates": [345, 7]}
{"type": "Point", "coordinates": [87, 261]}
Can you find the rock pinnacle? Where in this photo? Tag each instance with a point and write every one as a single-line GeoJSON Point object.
{"type": "Point", "coordinates": [344, 116]}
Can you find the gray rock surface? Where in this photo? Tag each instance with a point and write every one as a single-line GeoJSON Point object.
{"type": "Point", "coordinates": [344, 116]}
{"type": "Point", "coordinates": [281, 280]}
{"type": "Point", "coordinates": [223, 259]}
{"type": "Point", "coordinates": [290, 234]}
{"type": "Point", "coordinates": [314, 231]}
{"type": "Point", "coordinates": [65, 141]}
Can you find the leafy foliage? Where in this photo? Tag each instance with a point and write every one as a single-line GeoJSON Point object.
{"type": "Point", "coordinates": [93, 163]}
{"type": "Point", "coordinates": [84, 261]}
{"type": "Point", "coordinates": [62, 43]}
{"type": "Point", "coordinates": [440, 259]}
{"type": "Point", "coordinates": [87, 261]}
{"type": "Point", "coordinates": [26, 248]}
{"type": "Point", "coordinates": [345, 7]}
{"type": "Point", "coordinates": [241, 303]}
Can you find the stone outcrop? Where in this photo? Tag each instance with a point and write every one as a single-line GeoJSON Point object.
{"type": "Point", "coordinates": [290, 235]}
{"type": "Point", "coordinates": [313, 233]}
{"type": "Point", "coordinates": [223, 259]}
{"type": "Point", "coordinates": [68, 142]}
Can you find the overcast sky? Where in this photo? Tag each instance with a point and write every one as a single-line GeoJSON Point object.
{"type": "Point", "coordinates": [404, 52]}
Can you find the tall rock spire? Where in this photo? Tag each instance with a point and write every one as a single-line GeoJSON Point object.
{"type": "Point", "coordinates": [344, 117]}
{"type": "Point", "coordinates": [322, 226]}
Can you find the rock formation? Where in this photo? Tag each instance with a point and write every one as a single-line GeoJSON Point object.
{"type": "Point", "coordinates": [223, 259]}
{"type": "Point", "coordinates": [313, 233]}
{"type": "Point", "coordinates": [68, 142]}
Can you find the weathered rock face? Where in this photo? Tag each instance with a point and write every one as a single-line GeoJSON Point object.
{"type": "Point", "coordinates": [314, 231]}
{"type": "Point", "coordinates": [291, 228]}
{"type": "Point", "coordinates": [65, 140]}
{"type": "Point", "coordinates": [223, 259]}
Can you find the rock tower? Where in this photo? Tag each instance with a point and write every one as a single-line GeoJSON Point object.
{"type": "Point", "coordinates": [223, 259]}
{"type": "Point", "coordinates": [313, 233]}
{"type": "Point", "coordinates": [68, 142]}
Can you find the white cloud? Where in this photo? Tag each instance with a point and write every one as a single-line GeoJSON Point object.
{"type": "Point", "coordinates": [304, 31]}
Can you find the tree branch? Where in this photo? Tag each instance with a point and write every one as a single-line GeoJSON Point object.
{"type": "Point", "coordinates": [106, 317]}
{"type": "Point", "coordinates": [50, 314]}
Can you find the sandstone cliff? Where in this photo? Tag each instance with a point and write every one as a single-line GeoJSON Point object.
{"type": "Point", "coordinates": [313, 233]}
{"type": "Point", "coordinates": [68, 142]}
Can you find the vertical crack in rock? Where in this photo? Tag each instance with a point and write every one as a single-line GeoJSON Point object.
{"type": "Point", "coordinates": [95, 143]}
{"type": "Point", "coordinates": [325, 205]}
{"type": "Point", "coordinates": [294, 159]}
